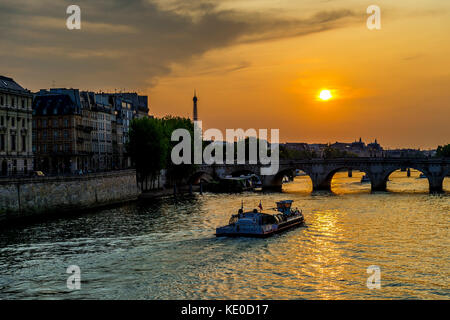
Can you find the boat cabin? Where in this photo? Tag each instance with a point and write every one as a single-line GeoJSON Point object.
{"type": "Point", "coordinates": [284, 206]}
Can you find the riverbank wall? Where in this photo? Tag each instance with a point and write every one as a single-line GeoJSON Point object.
{"type": "Point", "coordinates": [32, 197]}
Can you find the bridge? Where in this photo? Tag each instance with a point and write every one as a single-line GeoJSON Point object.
{"type": "Point", "coordinates": [321, 171]}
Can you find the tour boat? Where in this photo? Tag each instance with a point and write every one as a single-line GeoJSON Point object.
{"type": "Point", "coordinates": [260, 224]}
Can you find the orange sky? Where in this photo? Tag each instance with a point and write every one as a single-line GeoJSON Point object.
{"type": "Point", "coordinates": [255, 64]}
{"type": "Point", "coordinates": [392, 84]}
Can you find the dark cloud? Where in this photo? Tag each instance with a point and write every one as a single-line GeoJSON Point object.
{"type": "Point", "coordinates": [130, 43]}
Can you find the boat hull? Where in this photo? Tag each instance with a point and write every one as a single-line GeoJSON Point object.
{"type": "Point", "coordinates": [263, 232]}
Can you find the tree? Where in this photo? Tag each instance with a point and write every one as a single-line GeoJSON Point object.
{"type": "Point", "coordinates": [177, 173]}
{"type": "Point", "coordinates": [443, 151]}
{"type": "Point", "coordinates": [329, 153]}
{"type": "Point", "coordinates": [292, 154]}
{"type": "Point", "coordinates": [147, 147]}
{"type": "Point", "coordinates": [150, 149]}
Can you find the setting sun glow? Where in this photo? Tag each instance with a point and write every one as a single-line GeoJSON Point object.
{"type": "Point", "coordinates": [325, 95]}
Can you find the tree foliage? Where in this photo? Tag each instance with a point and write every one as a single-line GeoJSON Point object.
{"type": "Point", "coordinates": [332, 153]}
{"type": "Point", "coordinates": [150, 146]}
{"type": "Point", "coordinates": [176, 173]}
{"type": "Point", "coordinates": [443, 151]}
{"type": "Point", "coordinates": [292, 154]}
{"type": "Point", "coordinates": [147, 147]}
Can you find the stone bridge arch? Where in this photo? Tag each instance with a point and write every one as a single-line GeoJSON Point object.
{"type": "Point", "coordinates": [435, 176]}
{"type": "Point", "coordinates": [322, 178]}
{"type": "Point", "coordinates": [321, 171]}
{"type": "Point", "coordinates": [275, 182]}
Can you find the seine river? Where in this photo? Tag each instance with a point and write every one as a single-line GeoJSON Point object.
{"type": "Point", "coordinates": [167, 249]}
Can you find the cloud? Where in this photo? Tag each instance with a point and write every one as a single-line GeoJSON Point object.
{"type": "Point", "coordinates": [130, 43]}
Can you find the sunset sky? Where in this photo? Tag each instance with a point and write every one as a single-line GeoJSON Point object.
{"type": "Point", "coordinates": [254, 63]}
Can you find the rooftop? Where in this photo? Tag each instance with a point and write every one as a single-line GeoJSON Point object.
{"type": "Point", "coordinates": [8, 84]}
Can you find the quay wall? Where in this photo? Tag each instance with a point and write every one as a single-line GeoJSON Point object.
{"type": "Point", "coordinates": [27, 197]}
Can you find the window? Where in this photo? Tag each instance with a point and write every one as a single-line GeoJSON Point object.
{"type": "Point", "coordinates": [24, 143]}
{"type": "Point", "coordinates": [34, 123]}
{"type": "Point", "coordinates": [23, 103]}
{"type": "Point", "coordinates": [55, 134]}
{"type": "Point", "coordinates": [44, 146]}
{"type": "Point", "coordinates": [44, 134]}
{"type": "Point", "coordinates": [66, 123]}
{"type": "Point", "coordinates": [23, 122]}
{"type": "Point", "coordinates": [66, 134]}
{"type": "Point", "coordinates": [66, 147]}
{"type": "Point", "coordinates": [13, 142]}
{"type": "Point", "coordinates": [55, 123]}
{"type": "Point", "coordinates": [44, 123]}
{"type": "Point", "coordinates": [13, 121]}
{"type": "Point", "coordinates": [2, 101]}
{"type": "Point", "coordinates": [2, 142]}
{"type": "Point", "coordinates": [2, 121]}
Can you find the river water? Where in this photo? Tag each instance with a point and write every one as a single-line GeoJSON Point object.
{"type": "Point", "coordinates": [167, 249]}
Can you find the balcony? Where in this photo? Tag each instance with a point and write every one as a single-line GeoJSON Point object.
{"type": "Point", "coordinates": [85, 128]}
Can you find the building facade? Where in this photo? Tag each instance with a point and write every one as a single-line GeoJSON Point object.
{"type": "Point", "coordinates": [88, 130]}
{"type": "Point", "coordinates": [58, 134]}
{"type": "Point", "coordinates": [16, 157]}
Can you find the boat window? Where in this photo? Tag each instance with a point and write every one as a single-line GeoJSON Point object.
{"type": "Point", "coordinates": [268, 219]}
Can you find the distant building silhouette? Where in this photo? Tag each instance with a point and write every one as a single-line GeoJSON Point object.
{"type": "Point", "coordinates": [195, 106]}
{"type": "Point", "coordinates": [358, 148]}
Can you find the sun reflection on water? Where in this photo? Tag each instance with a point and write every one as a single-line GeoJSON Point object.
{"type": "Point", "coordinates": [167, 249]}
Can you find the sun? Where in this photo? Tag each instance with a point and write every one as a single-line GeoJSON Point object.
{"type": "Point", "coordinates": [325, 95]}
